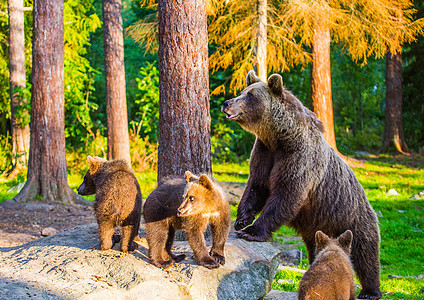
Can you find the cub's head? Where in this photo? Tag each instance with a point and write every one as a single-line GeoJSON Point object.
{"type": "Point", "coordinates": [88, 186]}
{"type": "Point", "coordinates": [198, 195]}
{"type": "Point", "coordinates": [254, 102]}
{"type": "Point", "coordinates": [344, 241]}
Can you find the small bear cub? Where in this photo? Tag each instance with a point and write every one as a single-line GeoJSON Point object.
{"type": "Point", "coordinates": [118, 200]}
{"type": "Point", "coordinates": [330, 275]}
{"type": "Point", "coordinates": [189, 204]}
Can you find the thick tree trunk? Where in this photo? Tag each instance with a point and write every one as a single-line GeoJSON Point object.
{"type": "Point", "coordinates": [116, 100]}
{"type": "Point", "coordinates": [184, 119]}
{"type": "Point", "coordinates": [47, 172]}
{"type": "Point", "coordinates": [321, 80]}
{"type": "Point", "coordinates": [262, 40]}
{"type": "Point", "coordinates": [20, 130]}
{"type": "Point", "coordinates": [393, 130]}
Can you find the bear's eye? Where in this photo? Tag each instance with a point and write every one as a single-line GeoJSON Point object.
{"type": "Point", "coordinates": [191, 199]}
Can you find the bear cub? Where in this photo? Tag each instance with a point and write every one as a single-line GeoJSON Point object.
{"type": "Point", "coordinates": [118, 200]}
{"type": "Point", "coordinates": [188, 204]}
{"type": "Point", "coordinates": [330, 275]}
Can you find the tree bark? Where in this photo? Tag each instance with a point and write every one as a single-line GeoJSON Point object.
{"type": "Point", "coordinates": [20, 130]}
{"type": "Point", "coordinates": [116, 100]}
{"type": "Point", "coordinates": [262, 40]}
{"type": "Point", "coordinates": [47, 172]}
{"type": "Point", "coordinates": [321, 79]}
{"type": "Point", "coordinates": [184, 119]}
{"type": "Point", "coordinates": [393, 137]}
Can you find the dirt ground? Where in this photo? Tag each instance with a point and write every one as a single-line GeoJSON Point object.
{"type": "Point", "coordinates": [24, 222]}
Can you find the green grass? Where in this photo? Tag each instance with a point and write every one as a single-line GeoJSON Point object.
{"type": "Point", "coordinates": [401, 220]}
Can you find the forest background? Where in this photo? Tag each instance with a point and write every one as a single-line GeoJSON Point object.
{"type": "Point", "coordinates": [358, 92]}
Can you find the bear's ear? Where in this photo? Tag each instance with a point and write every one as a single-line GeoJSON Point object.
{"type": "Point", "coordinates": [205, 181]}
{"type": "Point", "coordinates": [321, 239]}
{"type": "Point", "coordinates": [345, 240]}
{"type": "Point", "coordinates": [94, 163]}
{"type": "Point", "coordinates": [275, 83]}
{"type": "Point", "coordinates": [190, 177]}
{"type": "Point", "coordinates": [251, 78]}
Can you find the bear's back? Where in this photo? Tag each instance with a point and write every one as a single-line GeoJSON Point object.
{"type": "Point", "coordinates": [164, 201]}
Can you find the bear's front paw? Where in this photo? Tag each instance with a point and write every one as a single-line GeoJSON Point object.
{"type": "Point", "coordinates": [242, 222]}
{"type": "Point", "coordinates": [251, 233]}
{"type": "Point", "coordinates": [208, 262]}
{"type": "Point", "coordinates": [373, 294]}
{"type": "Point", "coordinates": [218, 258]}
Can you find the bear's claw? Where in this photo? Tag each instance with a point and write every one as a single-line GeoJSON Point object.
{"type": "Point", "coordinates": [242, 223]}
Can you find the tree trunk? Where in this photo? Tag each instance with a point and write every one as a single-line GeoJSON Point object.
{"type": "Point", "coordinates": [47, 172]}
{"type": "Point", "coordinates": [20, 128]}
{"type": "Point", "coordinates": [116, 100]}
{"type": "Point", "coordinates": [262, 40]}
{"type": "Point", "coordinates": [184, 119]}
{"type": "Point", "coordinates": [321, 80]}
{"type": "Point", "coordinates": [393, 130]}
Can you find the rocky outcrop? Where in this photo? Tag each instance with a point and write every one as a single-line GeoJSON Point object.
{"type": "Point", "coordinates": [67, 266]}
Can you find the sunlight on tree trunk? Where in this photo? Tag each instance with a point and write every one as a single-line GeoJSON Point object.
{"type": "Point", "coordinates": [20, 128]}
{"type": "Point", "coordinates": [184, 119]}
{"type": "Point", "coordinates": [47, 172]}
{"type": "Point", "coordinates": [116, 100]}
{"type": "Point", "coordinates": [261, 41]}
{"type": "Point", "coordinates": [393, 130]}
{"type": "Point", "coordinates": [321, 80]}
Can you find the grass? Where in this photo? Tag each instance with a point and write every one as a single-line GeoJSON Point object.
{"type": "Point", "coordinates": [401, 218]}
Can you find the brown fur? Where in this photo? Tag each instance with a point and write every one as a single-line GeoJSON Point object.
{"type": "Point", "coordinates": [330, 276]}
{"type": "Point", "coordinates": [118, 200]}
{"type": "Point", "coordinates": [297, 179]}
{"type": "Point", "coordinates": [190, 205]}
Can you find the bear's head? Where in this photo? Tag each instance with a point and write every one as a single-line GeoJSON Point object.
{"type": "Point", "coordinates": [344, 241]}
{"type": "Point", "coordinates": [198, 195]}
{"type": "Point", "coordinates": [88, 186]}
{"type": "Point", "coordinates": [254, 103]}
{"type": "Point", "coordinates": [270, 111]}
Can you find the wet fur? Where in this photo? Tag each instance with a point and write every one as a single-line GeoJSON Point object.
{"type": "Point", "coordinates": [118, 201]}
{"type": "Point", "coordinates": [330, 276]}
{"type": "Point", "coordinates": [160, 214]}
{"type": "Point", "coordinates": [297, 179]}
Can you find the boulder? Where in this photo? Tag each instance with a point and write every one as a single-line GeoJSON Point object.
{"type": "Point", "coordinates": [67, 265]}
{"type": "Point", "coordinates": [233, 191]}
{"type": "Point", "coordinates": [281, 295]}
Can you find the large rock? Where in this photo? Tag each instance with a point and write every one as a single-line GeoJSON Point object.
{"type": "Point", "coordinates": [66, 265]}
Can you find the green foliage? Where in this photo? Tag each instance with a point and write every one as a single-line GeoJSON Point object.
{"type": "Point", "coordinates": [23, 94]}
{"type": "Point", "coordinates": [358, 93]}
{"type": "Point", "coordinates": [147, 101]}
{"type": "Point", "coordinates": [413, 89]}
{"type": "Point", "coordinates": [79, 75]}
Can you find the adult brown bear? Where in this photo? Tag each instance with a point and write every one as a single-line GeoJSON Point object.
{"type": "Point", "coordinates": [297, 179]}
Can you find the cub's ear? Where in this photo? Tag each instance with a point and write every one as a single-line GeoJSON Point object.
{"type": "Point", "coordinates": [190, 177]}
{"type": "Point", "coordinates": [321, 239]}
{"type": "Point", "coordinates": [345, 240]}
{"type": "Point", "coordinates": [275, 83]}
{"type": "Point", "coordinates": [251, 78]}
{"type": "Point", "coordinates": [205, 181]}
{"type": "Point", "coordinates": [94, 163]}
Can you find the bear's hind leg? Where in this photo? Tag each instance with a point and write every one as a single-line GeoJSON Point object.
{"type": "Point", "coordinates": [106, 234]}
{"type": "Point", "coordinates": [365, 259]}
{"type": "Point", "coordinates": [157, 235]}
{"type": "Point", "coordinates": [129, 232]}
{"type": "Point", "coordinates": [168, 246]}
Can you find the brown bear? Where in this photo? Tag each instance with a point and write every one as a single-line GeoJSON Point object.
{"type": "Point", "coordinates": [330, 275]}
{"type": "Point", "coordinates": [118, 200]}
{"type": "Point", "coordinates": [189, 204]}
{"type": "Point", "coordinates": [297, 179]}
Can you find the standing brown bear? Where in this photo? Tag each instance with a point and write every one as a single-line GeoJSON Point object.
{"type": "Point", "coordinates": [330, 276]}
{"type": "Point", "coordinates": [190, 205]}
{"type": "Point", "coordinates": [118, 200]}
{"type": "Point", "coordinates": [297, 179]}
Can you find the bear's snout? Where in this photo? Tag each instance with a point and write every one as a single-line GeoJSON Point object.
{"type": "Point", "coordinates": [80, 189]}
